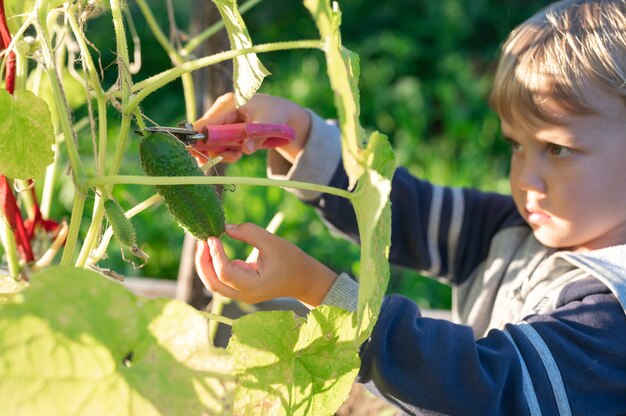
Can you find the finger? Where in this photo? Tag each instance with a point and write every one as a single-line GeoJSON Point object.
{"type": "Point", "coordinates": [204, 267]}
{"type": "Point", "coordinates": [249, 146]}
{"type": "Point", "coordinates": [228, 272]}
{"type": "Point", "coordinates": [223, 116]}
{"type": "Point", "coordinates": [244, 265]}
{"type": "Point", "coordinates": [223, 111]}
{"type": "Point", "coordinates": [202, 153]}
{"type": "Point", "coordinates": [251, 234]}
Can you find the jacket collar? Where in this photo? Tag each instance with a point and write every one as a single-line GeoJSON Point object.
{"type": "Point", "coordinates": [607, 265]}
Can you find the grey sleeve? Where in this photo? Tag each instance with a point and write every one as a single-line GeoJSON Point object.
{"type": "Point", "coordinates": [344, 293]}
{"type": "Point", "coordinates": [315, 164]}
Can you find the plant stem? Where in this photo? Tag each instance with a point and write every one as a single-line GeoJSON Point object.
{"type": "Point", "coordinates": [150, 85]}
{"type": "Point", "coordinates": [72, 235]}
{"type": "Point", "coordinates": [47, 257]}
{"type": "Point", "coordinates": [21, 70]}
{"type": "Point", "coordinates": [102, 135]}
{"type": "Point", "coordinates": [59, 99]}
{"type": "Point", "coordinates": [93, 233]}
{"type": "Point", "coordinates": [158, 33]}
{"type": "Point", "coordinates": [26, 196]}
{"type": "Point", "coordinates": [126, 81]}
{"type": "Point", "coordinates": [48, 184]}
{"type": "Point", "coordinates": [190, 96]}
{"type": "Point", "coordinates": [118, 157]}
{"type": "Point", "coordinates": [91, 239]}
{"type": "Point", "coordinates": [20, 32]}
{"type": "Point", "coordinates": [199, 180]}
{"type": "Point", "coordinates": [175, 57]}
{"type": "Point", "coordinates": [218, 318]}
{"type": "Point", "coordinates": [10, 248]}
{"type": "Point", "coordinates": [94, 82]}
{"type": "Point", "coordinates": [122, 51]}
{"type": "Point", "coordinates": [52, 170]}
{"type": "Point", "coordinates": [217, 307]}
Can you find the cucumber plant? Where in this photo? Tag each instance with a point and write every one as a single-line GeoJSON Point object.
{"type": "Point", "coordinates": [88, 339]}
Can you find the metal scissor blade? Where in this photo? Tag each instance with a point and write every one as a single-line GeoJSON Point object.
{"type": "Point", "coordinates": [183, 132]}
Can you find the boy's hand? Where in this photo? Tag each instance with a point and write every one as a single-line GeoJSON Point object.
{"type": "Point", "coordinates": [260, 109]}
{"type": "Point", "coordinates": [280, 269]}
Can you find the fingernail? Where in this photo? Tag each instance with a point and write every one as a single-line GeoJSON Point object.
{"type": "Point", "coordinates": [250, 146]}
{"type": "Point", "coordinates": [230, 227]}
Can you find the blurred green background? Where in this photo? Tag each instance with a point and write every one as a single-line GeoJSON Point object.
{"type": "Point", "coordinates": [426, 71]}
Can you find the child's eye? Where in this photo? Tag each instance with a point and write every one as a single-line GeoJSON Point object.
{"type": "Point", "coordinates": [515, 146]}
{"type": "Point", "coordinates": [559, 151]}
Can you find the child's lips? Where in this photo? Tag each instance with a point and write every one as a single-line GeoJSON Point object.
{"type": "Point", "coordinates": [535, 215]}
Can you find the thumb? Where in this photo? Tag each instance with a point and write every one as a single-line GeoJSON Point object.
{"type": "Point", "coordinates": [248, 146]}
{"type": "Point", "coordinates": [251, 234]}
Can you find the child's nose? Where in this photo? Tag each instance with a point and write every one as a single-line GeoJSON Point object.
{"type": "Point", "coordinates": [529, 176]}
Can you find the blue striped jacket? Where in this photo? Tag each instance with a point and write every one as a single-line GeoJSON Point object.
{"type": "Point", "coordinates": [536, 331]}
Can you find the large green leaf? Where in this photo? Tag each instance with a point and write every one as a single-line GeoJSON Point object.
{"type": "Point", "coordinates": [373, 210]}
{"type": "Point", "coordinates": [26, 135]}
{"type": "Point", "coordinates": [293, 366]}
{"type": "Point", "coordinates": [75, 343]}
{"type": "Point", "coordinates": [372, 167]}
{"type": "Point", "coordinates": [343, 72]}
{"type": "Point", "coordinates": [248, 69]}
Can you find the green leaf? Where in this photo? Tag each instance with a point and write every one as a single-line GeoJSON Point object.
{"type": "Point", "coordinates": [248, 69]}
{"type": "Point", "coordinates": [75, 342]}
{"type": "Point", "coordinates": [292, 366]}
{"type": "Point", "coordinates": [371, 167]}
{"type": "Point", "coordinates": [26, 135]}
{"type": "Point", "coordinates": [343, 71]}
{"type": "Point", "coordinates": [373, 211]}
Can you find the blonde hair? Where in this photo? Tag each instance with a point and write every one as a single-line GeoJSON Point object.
{"type": "Point", "coordinates": [558, 53]}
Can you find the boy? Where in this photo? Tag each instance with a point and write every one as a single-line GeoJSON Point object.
{"type": "Point", "coordinates": [539, 277]}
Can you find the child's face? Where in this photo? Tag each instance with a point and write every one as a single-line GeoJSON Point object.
{"type": "Point", "coordinates": [569, 181]}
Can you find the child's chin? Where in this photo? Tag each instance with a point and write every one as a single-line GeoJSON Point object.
{"type": "Point", "coordinates": [550, 240]}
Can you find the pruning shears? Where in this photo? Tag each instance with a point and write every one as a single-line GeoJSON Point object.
{"type": "Point", "coordinates": [221, 138]}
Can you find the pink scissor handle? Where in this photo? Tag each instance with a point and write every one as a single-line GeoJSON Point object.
{"type": "Point", "coordinates": [230, 137]}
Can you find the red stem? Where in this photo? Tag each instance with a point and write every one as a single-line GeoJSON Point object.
{"type": "Point", "coordinates": [5, 36]}
{"type": "Point", "coordinates": [7, 199]}
{"type": "Point", "coordinates": [14, 217]}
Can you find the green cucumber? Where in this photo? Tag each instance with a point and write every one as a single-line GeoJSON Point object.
{"type": "Point", "coordinates": [123, 229]}
{"type": "Point", "coordinates": [196, 208]}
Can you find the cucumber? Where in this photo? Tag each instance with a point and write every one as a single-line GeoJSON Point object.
{"type": "Point", "coordinates": [123, 229]}
{"type": "Point", "coordinates": [196, 208]}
